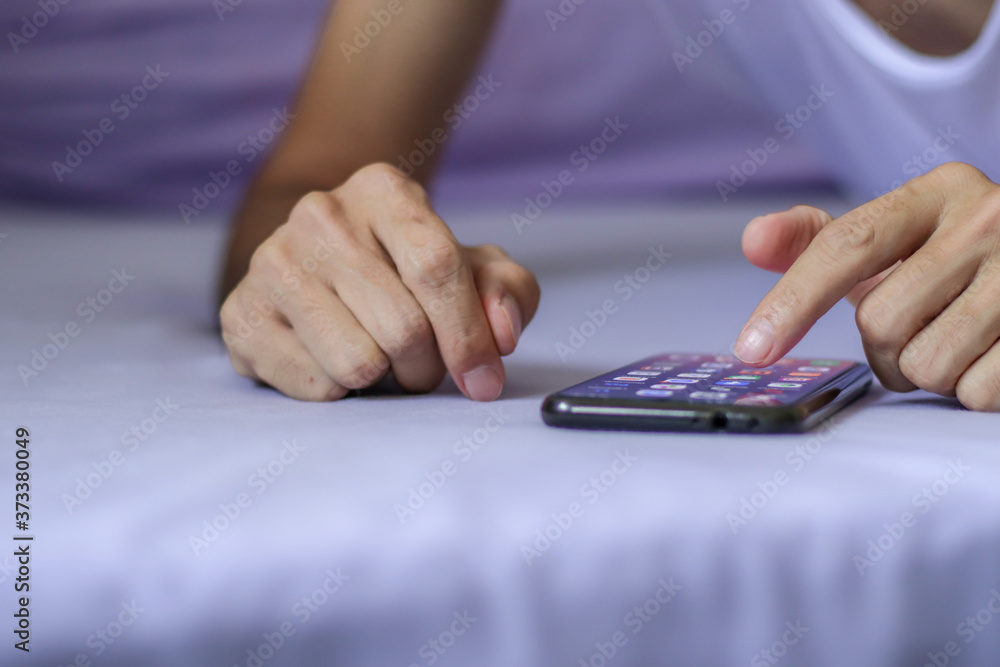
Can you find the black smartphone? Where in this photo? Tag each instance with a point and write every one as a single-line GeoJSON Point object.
{"type": "Point", "coordinates": [709, 392]}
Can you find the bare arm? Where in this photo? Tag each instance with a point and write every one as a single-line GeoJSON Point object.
{"type": "Point", "coordinates": [339, 270]}
{"type": "Point", "coordinates": [361, 108]}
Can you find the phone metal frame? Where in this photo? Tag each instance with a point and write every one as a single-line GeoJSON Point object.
{"type": "Point", "coordinates": [638, 414]}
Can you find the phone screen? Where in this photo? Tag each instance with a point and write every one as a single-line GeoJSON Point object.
{"type": "Point", "coordinates": [713, 380]}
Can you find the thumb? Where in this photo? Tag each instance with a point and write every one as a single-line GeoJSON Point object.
{"type": "Point", "coordinates": [508, 291]}
{"type": "Point", "coordinates": [773, 242]}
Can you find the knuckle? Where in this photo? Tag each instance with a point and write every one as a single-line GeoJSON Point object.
{"type": "Point", "coordinates": [377, 172]}
{"type": "Point", "coordinates": [510, 275]}
{"type": "Point", "coordinates": [956, 175]}
{"type": "Point", "coordinates": [383, 178]}
{"type": "Point", "coordinates": [280, 373]}
{"type": "Point", "coordinates": [411, 330]}
{"type": "Point", "coordinates": [874, 319]}
{"type": "Point", "coordinates": [991, 201]}
{"type": "Point", "coordinates": [411, 207]}
{"type": "Point", "coordinates": [926, 264]}
{"type": "Point", "coordinates": [493, 252]}
{"type": "Point", "coordinates": [416, 211]}
{"type": "Point", "coordinates": [436, 262]}
{"type": "Point", "coordinates": [919, 363]}
{"type": "Point", "coordinates": [959, 323]}
{"type": "Point", "coordinates": [847, 236]}
{"type": "Point", "coordinates": [361, 366]}
{"type": "Point", "coordinates": [317, 322]}
{"type": "Point", "coordinates": [229, 314]}
{"type": "Point", "coordinates": [507, 268]}
{"type": "Point", "coordinates": [269, 259]}
{"type": "Point", "coordinates": [315, 206]}
{"type": "Point", "coordinates": [524, 277]}
{"type": "Point", "coordinates": [983, 225]}
{"type": "Point", "coordinates": [314, 216]}
{"type": "Point", "coordinates": [980, 391]}
{"type": "Point", "coordinates": [241, 365]}
{"type": "Point", "coordinates": [986, 284]}
{"type": "Point", "coordinates": [466, 344]}
{"type": "Point", "coordinates": [526, 286]}
{"type": "Point", "coordinates": [889, 379]}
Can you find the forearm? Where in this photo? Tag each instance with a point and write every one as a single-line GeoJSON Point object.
{"type": "Point", "coordinates": [356, 108]}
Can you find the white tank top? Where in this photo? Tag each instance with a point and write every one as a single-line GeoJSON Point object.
{"type": "Point", "coordinates": [876, 112]}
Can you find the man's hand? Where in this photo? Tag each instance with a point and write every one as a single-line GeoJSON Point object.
{"type": "Point", "coordinates": [922, 266]}
{"type": "Point", "coordinates": [366, 279]}
{"type": "Point", "coordinates": [338, 271]}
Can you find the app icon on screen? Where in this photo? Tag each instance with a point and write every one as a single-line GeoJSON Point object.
{"type": "Point", "coordinates": [814, 369]}
{"type": "Point", "coordinates": [700, 376]}
{"type": "Point", "coordinates": [733, 383]}
{"type": "Point", "coordinates": [630, 378]}
{"type": "Point", "coordinates": [654, 393]}
{"type": "Point", "coordinates": [682, 381]}
{"type": "Point", "coordinates": [669, 387]}
{"type": "Point", "coordinates": [785, 385]}
{"type": "Point", "coordinates": [707, 396]}
{"type": "Point", "coordinates": [758, 399]}
{"type": "Point", "coordinates": [807, 375]}
{"type": "Point", "coordinates": [645, 373]}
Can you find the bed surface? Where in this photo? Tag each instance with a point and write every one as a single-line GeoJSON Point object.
{"type": "Point", "coordinates": [237, 527]}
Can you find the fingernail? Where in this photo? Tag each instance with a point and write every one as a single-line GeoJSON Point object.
{"type": "Point", "coordinates": [483, 384]}
{"type": "Point", "coordinates": [513, 313]}
{"type": "Point", "coordinates": [755, 341]}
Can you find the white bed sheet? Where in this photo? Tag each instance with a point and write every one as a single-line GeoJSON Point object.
{"type": "Point", "coordinates": [455, 572]}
